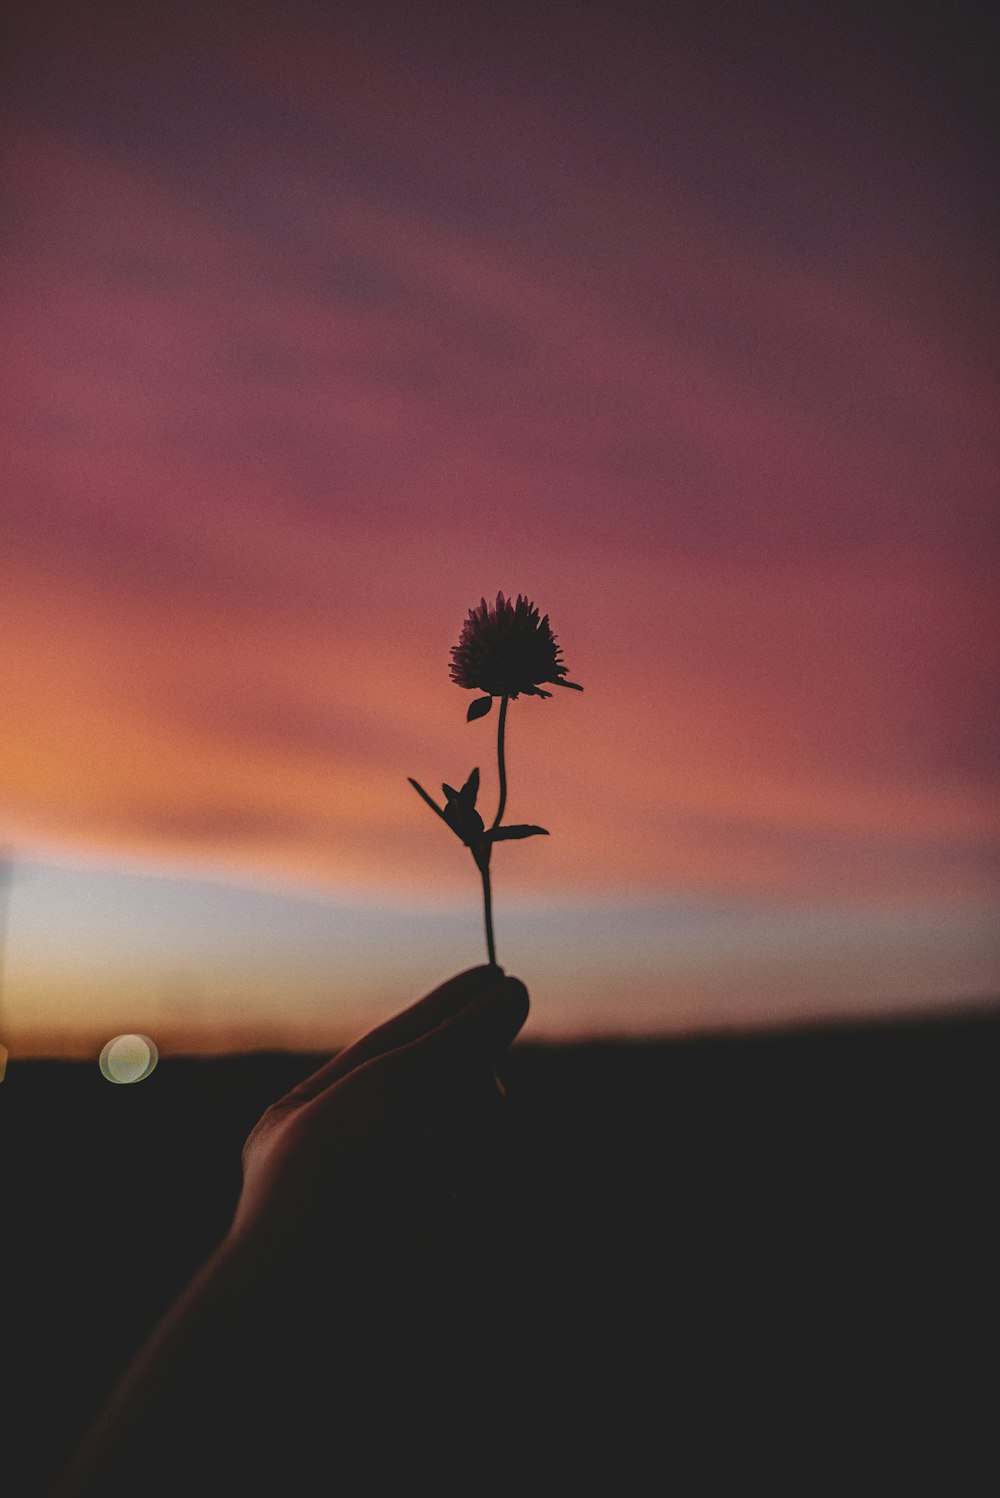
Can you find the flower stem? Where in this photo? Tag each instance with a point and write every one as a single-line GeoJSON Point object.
{"type": "Point", "coordinates": [500, 762]}
{"type": "Point", "coordinates": [491, 951]}
{"type": "Point", "coordinates": [484, 864]}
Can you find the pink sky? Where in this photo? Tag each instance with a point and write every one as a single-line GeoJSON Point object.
{"type": "Point", "coordinates": [319, 329]}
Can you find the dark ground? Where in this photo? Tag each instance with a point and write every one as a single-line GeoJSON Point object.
{"type": "Point", "coordinates": [758, 1263]}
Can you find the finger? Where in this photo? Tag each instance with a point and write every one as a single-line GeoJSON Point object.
{"type": "Point", "coordinates": [405, 1027]}
{"type": "Point", "coordinates": [480, 1032]}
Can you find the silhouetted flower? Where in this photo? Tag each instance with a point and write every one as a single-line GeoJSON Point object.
{"type": "Point", "coordinates": [505, 650]}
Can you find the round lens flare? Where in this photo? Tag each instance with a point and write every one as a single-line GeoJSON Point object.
{"type": "Point", "coordinates": [128, 1058]}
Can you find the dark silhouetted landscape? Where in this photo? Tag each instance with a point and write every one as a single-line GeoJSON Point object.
{"type": "Point", "coordinates": [735, 1260]}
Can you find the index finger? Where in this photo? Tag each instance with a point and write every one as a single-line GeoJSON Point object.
{"type": "Point", "coordinates": [410, 1024]}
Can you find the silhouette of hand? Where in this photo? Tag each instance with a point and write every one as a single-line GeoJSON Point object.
{"type": "Point", "coordinates": [383, 1135]}
{"type": "Point", "coordinates": [344, 1239]}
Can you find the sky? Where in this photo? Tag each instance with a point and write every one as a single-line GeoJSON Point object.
{"type": "Point", "coordinates": [325, 322]}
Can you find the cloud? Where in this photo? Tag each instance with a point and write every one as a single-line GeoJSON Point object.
{"type": "Point", "coordinates": [321, 331]}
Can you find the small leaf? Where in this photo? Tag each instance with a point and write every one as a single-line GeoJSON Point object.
{"type": "Point", "coordinates": [503, 834]}
{"type": "Point", "coordinates": [421, 792]}
{"type": "Point", "coordinates": [449, 791]}
{"type": "Point", "coordinates": [479, 708]}
{"type": "Point", "coordinates": [464, 822]}
{"type": "Point", "coordinates": [470, 789]}
{"type": "Point", "coordinates": [473, 828]}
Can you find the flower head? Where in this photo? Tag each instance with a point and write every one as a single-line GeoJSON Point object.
{"type": "Point", "coordinates": [507, 649]}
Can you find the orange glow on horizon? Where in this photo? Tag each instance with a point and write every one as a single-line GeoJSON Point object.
{"type": "Point", "coordinates": [256, 741]}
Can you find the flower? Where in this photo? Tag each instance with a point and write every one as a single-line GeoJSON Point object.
{"type": "Point", "coordinates": [506, 650]}
{"type": "Point", "coordinates": [503, 650]}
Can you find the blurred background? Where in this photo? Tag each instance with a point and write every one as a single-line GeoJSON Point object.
{"type": "Point", "coordinates": [323, 322]}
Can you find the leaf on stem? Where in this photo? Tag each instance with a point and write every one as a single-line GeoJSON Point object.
{"type": "Point", "coordinates": [479, 708]}
{"type": "Point", "coordinates": [464, 821]}
{"type": "Point", "coordinates": [421, 792]}
{"type": "Point", "coordinates": [503, 834]}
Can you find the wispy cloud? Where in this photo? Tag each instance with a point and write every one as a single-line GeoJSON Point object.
{"type": "Point", "coordinates": [319, 330]}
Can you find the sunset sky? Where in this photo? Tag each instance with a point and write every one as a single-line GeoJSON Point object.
{"type": "Point", "coordinates": [320, 323]}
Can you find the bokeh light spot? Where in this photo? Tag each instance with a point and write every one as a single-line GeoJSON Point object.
{"type": "Point", "coordinates": [128, 1058]}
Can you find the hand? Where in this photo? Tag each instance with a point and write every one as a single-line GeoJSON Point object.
{"type": "Point", "coordinates": [304, 1337]}
{"type": "Point", "coordinates": [389, 1125]}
